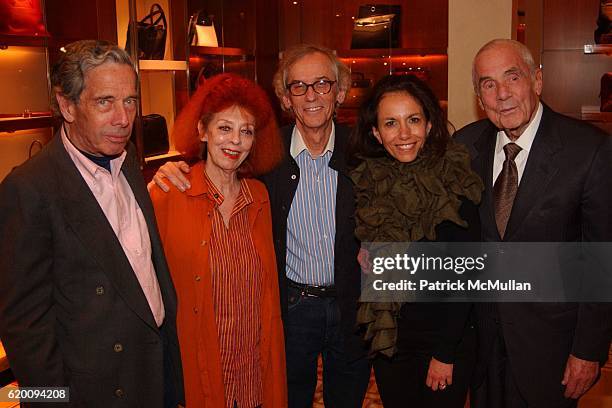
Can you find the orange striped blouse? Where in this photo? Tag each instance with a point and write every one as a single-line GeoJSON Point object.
{"type": "Point", "coordinates": [237, 287]}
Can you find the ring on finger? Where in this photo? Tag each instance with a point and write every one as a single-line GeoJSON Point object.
{"type": "Point", "coordinates": [442, 386]}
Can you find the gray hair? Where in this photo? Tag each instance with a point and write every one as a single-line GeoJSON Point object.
{"type": "Point", "coordinates": [292, 54]}
{"type": "Point", "coordinates": [520, 48]}
{"type": "Point", "coordinates": [78, 58]}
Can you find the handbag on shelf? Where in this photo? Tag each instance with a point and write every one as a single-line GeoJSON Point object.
{"type": "Point", "coordinates": [154, 135]}
{"type": "Point", "coordinates": [606, 92]}
{"type": "Point", "coordinates": [202, 30]}
{"type": "Point", "coordinates": [377, 26]}
{"type": "Point", "coordinates": [152, 31]}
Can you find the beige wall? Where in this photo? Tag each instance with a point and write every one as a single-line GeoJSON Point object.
{"type": "Point", "coordinates": [471, 24]}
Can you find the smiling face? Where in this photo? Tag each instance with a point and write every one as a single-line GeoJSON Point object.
{"type": "Point", "coordinates": [401, 126]}
{"type": "Point", "coordinates": [507, 91]}
{"type": "Point", "coordinates": [101, 122]}
{"type": "Point", "coordinates": [313, 112]}
{"type": "Point", "coordinates": [229, 136]}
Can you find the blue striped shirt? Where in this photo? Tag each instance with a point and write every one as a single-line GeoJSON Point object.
{"type": "Point", "coordinates": [311, 224]}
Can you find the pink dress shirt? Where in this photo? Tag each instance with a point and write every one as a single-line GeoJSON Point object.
{"type": "Point", "coordinates": [118, 203]}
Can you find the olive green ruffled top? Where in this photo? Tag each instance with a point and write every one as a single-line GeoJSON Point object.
{"type": "Point", "coordinates": [404, 202]}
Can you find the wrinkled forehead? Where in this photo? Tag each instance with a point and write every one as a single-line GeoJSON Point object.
{"type": "Point", "coordinates": [498, 60]}
{"type": "Point", "coordinates": [311, 67]}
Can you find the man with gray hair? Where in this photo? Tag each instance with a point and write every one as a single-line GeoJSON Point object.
{"type": "Point", "coordinates": [87, 300]}
{"type": "Point", "coordinates": [313, 203]}
{"type": "Point", "coordinates": [546, 179]}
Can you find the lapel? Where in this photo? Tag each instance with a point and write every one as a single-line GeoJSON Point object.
{"type": "Point", "coordinates": [482, 164]}
{"type": "Point", "coordinates": [85, 217]}
{"type": "Point", "coordinates": [345, 205]}
{"type": "Point", "coordinates": [539, 171]}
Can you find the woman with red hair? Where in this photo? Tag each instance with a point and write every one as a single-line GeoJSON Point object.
{"type": "Point", "coordinates": [218, 242]}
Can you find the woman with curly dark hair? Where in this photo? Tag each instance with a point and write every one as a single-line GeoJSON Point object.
{"type": "Point", "coordinates": [414, 183]}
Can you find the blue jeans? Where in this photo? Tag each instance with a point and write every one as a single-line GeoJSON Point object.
{"type": "Point", "coordinates": [313, 327]}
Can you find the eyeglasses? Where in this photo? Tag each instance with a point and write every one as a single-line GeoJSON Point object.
{"type": "Point", "coordinates": [299, 88]}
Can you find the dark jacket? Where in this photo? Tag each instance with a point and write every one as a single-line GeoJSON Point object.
{"type": "Point", "coordinates": [565, 194]}
{"type": "Point", "coordinates": [282, 184]}
{"type": "Point", "coordinates": [72, 310]}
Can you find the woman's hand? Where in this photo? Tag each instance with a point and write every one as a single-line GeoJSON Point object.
{"type": "Point", "coordinates": [439, 375]}
{"type": "Point", "coordinates": [174, 172]}
{"type": "Point", "coordinates": [363, 257]}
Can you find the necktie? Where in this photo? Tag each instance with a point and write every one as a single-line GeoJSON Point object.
{"type": "Point", "coordinates": [505, 188]}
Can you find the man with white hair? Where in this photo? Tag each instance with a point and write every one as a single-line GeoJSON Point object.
{"type": "Point", "coordinates": [546, 179]}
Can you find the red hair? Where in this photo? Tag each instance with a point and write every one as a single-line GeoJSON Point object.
{"type": "Point", "coordinates": [219, 93]}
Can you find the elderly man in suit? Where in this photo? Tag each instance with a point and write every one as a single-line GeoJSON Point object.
{"type": "Point", "coordinates": [86, 298]}
{"type": "Point", "coordinates": [546, 179]}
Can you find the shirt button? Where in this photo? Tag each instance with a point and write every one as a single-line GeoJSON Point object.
{"type": "Point", "coordinates": [195, 310]}
{"type": "Point", "coordinates": [203, 242]}
{"type": "Point", "coordinates": [119, 392]}
{"type": "Point", "coordinates": [198, 278]}
{"type": "Point", "coordinates": [100, 290]}
{"type": "Point", "coordinates": [293, 177]}
{"type": "Point", "coordinates": [118, 347]}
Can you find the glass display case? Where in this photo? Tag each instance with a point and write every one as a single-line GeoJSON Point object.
{"type": "Point", "coordinates": [25, 117]}
{"type": "Point", "coordinates": [374, 39]}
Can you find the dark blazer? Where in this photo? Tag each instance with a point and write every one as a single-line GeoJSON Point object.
{"type": "Point", "coordinates": [565, 194]}
{"type": "Point", "coordinates": [282, 184]}
{"type": "Point", "coordinates": [72, 312]}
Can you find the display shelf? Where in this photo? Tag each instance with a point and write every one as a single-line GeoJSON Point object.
{"type": "Point", "coordinates": [12, 124]}
{"type": "Point", "coordinates": [40, 40]}
{"type": "Point", "coordinates": [224, 51]}
{"type": "Point", "coordinates": [170, 155]}
{"type": "Point", "coordinates": [598, 49]}
{"type": "Point", "coordinates": [593, 114]}
{"type": "Point", "coordinates": [386, 52]}
{"type": "Point", "coordinates": [162, 65]}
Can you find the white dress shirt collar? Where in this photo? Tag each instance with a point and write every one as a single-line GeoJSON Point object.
{"type": "Point", "coordinates": [298, 145]}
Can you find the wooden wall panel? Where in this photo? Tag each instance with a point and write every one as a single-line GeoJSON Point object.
{"type": "Point", "coordinates": [572, 79]}
{"type": "Point", "coordinates": [317, 21]}
{"type": "Point", "coordinates": [569, 24]}
{"type": "Point", "coordinates": [289, 24]}
{"type": "Point", "coordinates": [76, 19]}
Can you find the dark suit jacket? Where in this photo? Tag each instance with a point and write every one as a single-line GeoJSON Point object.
{"type": "Point", "coordinates": [72, 312]}
{"type": "Point", "coordinates": [282, 184]}
{"type": "Point", "coordinates": [565, 194]}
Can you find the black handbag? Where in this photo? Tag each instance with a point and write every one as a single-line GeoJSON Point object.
{"type": "Point", "coordinates": [154, 135]}
{"type": "Point", "coordinates": [377, 26]}
{"type": "Point", "coordinates": [151, 34]}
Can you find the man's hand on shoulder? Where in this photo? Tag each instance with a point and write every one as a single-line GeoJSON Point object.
{"type": "Point", "coordinates": [579, 376]}
{"type": "Point", "coordinates": [175, 173]}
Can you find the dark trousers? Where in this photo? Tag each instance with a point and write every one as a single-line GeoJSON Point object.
{"type": "Point", "coordinates": [499, 388]}
{"type": "Point", "coordinates": [171, 395]}
{"type": "Point", "coordinates": [312, 328]}
{"type": "Point", "coordinates": [401, 382]}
